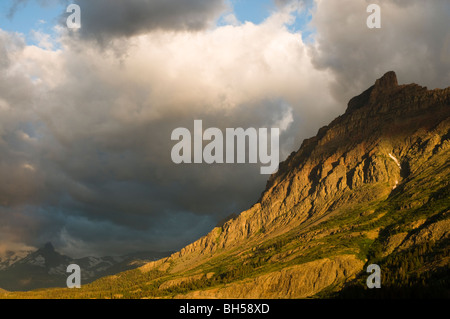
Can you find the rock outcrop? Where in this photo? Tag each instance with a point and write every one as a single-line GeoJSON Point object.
{"type": "Point", "coordinates": [298, 281]}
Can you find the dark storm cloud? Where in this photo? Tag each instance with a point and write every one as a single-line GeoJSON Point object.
{"type": "Point", "coordinates": [18, 182]}
{"type": "Point", "coordinates": [95, 195]}
{"type": "Point", "coordinates": [105, 20]}
{"type": "Point", "coordinates": [18, 4]}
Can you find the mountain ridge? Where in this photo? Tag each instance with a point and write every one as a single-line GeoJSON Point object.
{"type": "Point", "coordinates": [45, 267]}
{"type": "Point", "coordinates": [323, 140]}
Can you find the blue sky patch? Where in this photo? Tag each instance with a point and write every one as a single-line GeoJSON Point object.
{"type": "Point", "coordinates": [255, 11]}
{"type": "Point", "coordinates": [30, 15]}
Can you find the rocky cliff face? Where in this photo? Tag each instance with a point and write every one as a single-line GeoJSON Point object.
{"type": "Point", "coordinates": [299, 281]}
{"type": "Point", "coordinates": [376, 143]}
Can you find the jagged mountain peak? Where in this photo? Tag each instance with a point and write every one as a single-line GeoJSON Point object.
{"type": "Point", "coordinates": [387, 81]}
{"type": "Point", "coordinates": [383, 86]}
{"type": "Point", "coordinates": [48, 247]}
{"type": "Point", "coordinates": [386, 111]}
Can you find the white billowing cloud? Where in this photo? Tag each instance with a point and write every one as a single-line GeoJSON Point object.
{"type": "Point", "coordinates": [180, 74]}
{"type": "Point", "coordinates": [411, 42]}
{"type": "Point", "coordinates": [44, 40]}
{"type": "Point", "coordinates": [286, 120]}
{"type": "Point", "coordinates": [231, 19]}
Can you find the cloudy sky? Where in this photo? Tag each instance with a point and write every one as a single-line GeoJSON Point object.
{"type": "Point", "coordinates": [86, 115]}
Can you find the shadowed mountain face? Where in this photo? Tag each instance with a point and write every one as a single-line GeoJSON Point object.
{"type": "Point", "coordinates": [371, 187]}
{"type": "Point", "coordinates": [46, 268]}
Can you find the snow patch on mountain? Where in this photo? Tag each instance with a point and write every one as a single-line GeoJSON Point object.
{"type": "Point", "coordinates": [395, 160]}
{"type": "Point", "coordinates": [59, 270]}
{"type": "Point", "coordinates": [10, 257]}
{"type": "Point", "coordinates": [38, 261]}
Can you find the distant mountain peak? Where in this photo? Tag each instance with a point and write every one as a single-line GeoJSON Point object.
{"type": "Point", "coordinates": [49, 247]}
{"type": "Point", "coordinates": [45, 267]}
